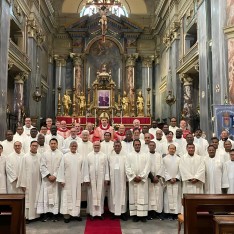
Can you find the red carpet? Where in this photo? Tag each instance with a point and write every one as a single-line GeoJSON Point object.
{"type": "Point", "coordinates": [106, 226]}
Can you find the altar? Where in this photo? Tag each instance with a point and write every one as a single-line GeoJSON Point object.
{"type": "Point", "coordinates": [103, 96]}
{"type": "Point", "coordinates": [115, 122]}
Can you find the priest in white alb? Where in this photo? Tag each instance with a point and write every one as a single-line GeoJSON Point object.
{"type": "Point", "coordinates": [29, 180]}
{"type": "Point", "coordinates": [3, 179]}
{"type": "Point", "coordinates": [230, 172]}
{"type": "Point", "coordinates": [216, 173]}
{"type": "Point", "coordinates": [70, 178]}
{"type": "Point", "coordinates": [107, 144]}
{"type": "Point", "coordinates": [48, 201]}
{"type": "Point", "coordinates": [12, 168]}
{"type": "Point", "coordinates": [156, 182]}
{"type": "Point", "coordinates": [192, 170]}
{"type": "Point", "coordinates": [137, 170]}
{"type": "Point", "coordinates": [96, 177]}
{"type": "Point", "coordinates": [117, 197]}
{"type": "Point", "coordinates": [172, 192]}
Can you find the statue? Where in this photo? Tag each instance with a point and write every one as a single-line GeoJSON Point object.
{"type": "Point", "coordinates": [82, 103]}
{"type": "Point", "coordinates": [66, 104]}
{"type": "Point", "coordinates": [125, 104]}
{"type": "Point", "coordinates": [140, 104]}
{"type": "Point", "coordinates": [103, 21]}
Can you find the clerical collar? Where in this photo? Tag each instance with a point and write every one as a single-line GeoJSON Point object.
{"type": "Point", "coordinates": [63, 130]}
{"type": "Point", "coordinates": [103, 127]}
{"type": "Point", "coordinates": [158, 139]}
{"type": "Point", "coordinates": [91, 132]}
{"type": "Point", "coordinates": [179, 137]}
{"type": "Point", "coordinates": [120, 134]}
{"type": "Point", "coordinates": [224, 139]}
{"type": "Point", "coordinates": [33, 154]}
{"type": "Point", "coordinates": [128, 140]}
{"type": "Point", "coordinates": [152, 152]}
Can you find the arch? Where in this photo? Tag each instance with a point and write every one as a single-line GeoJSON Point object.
{"type": "Point", "coordinates": [97, 38]}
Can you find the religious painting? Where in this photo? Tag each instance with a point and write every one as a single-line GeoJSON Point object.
{"type": "Point", "coordinates": [231, 69]}
{"type": "Point", "coordinates": [103, 98]}
{"type": "Point", "coordinates": [230, 12]}
{"type": "Point", "coordinates": [224, 119]}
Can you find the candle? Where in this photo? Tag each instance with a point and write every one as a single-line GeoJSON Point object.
{"type": "Point", "coordinates": [148, 77]}
{"type": "Point", "coordinates": [60, 70]}
{"type": "Point", "coordinates": [119, 79]}
{"type": "Point", "coordinates": [95, 115]}
{"type": "Point", "coordinates": [112, 114]}
{"type": "Point", "coordinates": [89, 78]}
{"type": "Point", "coordinates": [121, 116]}
{"type": "Point", "coordinates": [133, 80]}
{"type": "Point", "coordinates": [74, 77]}
{"type": "Point", "coordinates": [79, 120]}
{"type": "Point", "coordinates": [86, 117]}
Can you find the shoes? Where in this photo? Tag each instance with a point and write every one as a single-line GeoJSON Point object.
{"type": "Point", "coordinates": [66, 220]}
{"type": "Point", "coordinates": [113, 217]}
{"type": "Point", "coordinates": [27, 221]}
{"type": "Point", "coordinates": [124, 217]}
{"type": "Point", "coordinates": [45, 218]}
{"type": "Point", "coordinates": [91, 218]}
{"type": "Point", "coordinates": [135, 219]}
{"type": "Point", "coordinates": [101, 217]}
{"type": "Point", "coordinates": [79, 219]}
{"type": "Point", "coordinates": [149, 217]}
{"type": "Point", "coordinates": [54, 218]}
{"type": "Point", "coordinates": [143, 219]}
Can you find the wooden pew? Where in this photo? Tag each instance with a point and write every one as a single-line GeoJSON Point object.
{"type": "Point", "coordinates": [224, 224]}
{"type": "Point", "coordinates": [199, 211]}
{"type": "Point", "coordinates": [12, 214]}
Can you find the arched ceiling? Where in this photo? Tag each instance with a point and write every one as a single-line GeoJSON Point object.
{"type": "Point", "coordinates": [137, 7]}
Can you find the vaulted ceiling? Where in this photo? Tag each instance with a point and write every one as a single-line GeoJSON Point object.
{"type": "Point", "coordinates": [135, 7]}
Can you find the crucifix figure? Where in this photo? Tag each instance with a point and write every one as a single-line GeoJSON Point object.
{"type": "Point", "coordinates": [103, 21]}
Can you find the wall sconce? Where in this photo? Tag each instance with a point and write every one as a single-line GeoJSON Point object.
{"type": "Point", "coordinates": [37, 95]}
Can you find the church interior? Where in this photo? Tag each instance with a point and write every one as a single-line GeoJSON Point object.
{"type": "Point", "coordinates": [175, 56]}
{"type": "Point", "coordinates": [147, 59]}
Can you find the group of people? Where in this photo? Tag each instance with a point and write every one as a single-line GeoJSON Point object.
{"type": "Point", "coordinates": [142, 170]}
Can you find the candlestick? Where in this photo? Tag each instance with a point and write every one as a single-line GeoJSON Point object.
{"type": "Point", "coordinates": [74, 77]}
{"type": "Point", "coordinates": [60, 70]}
{"type": "Point", "coordinates": [89, 77]}
{"type": "Point", "coordinates": [121, 116]}
{"type": "Point", "coordinates": [95, 115]}
{"type": "Point", "coordinates": [112, 113]}
{"type": "Point", "coordinates": [119, 79]}
{"type": "Point", "coordinates": [148, 78]}
{"type": "Point", "coordinates": [133, 78]}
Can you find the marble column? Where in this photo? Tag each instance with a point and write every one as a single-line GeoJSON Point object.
{"type": "Point", "coordinates": [219, 50]}
{"type": "Point", "coordinates": [187, 111]}
{"type": "Point", "coordinates": [4, 45]}
{"type": "Point", "coordinates": [175, 86]}
{"type": "Point", "coordinates": [205, 91]}
{"type": "Point", "coordinates": [130, 83]}
{"type": "Point", "coordinates": [147, 79]}
{"type": "Point", "coordinates": [19, 96]}
{"type": "Point", "coordinates": [59, 82]}
{"type": "Point", "coordinates": [50, 111]}
{"type": "Point", "coordinates": [78, 72]}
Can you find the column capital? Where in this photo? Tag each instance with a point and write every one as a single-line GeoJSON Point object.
{"type": "Point", "coordinates": [131, 59]}
{"type": "Point", "coordinates": [60, 60]}
{"type": "Point", "coordinates": [147, 60]}
{"type": "Point", "coordinates": [21, 77]}
{"type": "Point", "coordinates": [77, 59]}
{"type": "Point", "coordinates": [186, 80]}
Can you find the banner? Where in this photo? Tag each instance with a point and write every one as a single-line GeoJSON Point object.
{"type": "Point", "coordinates": [224, 119]}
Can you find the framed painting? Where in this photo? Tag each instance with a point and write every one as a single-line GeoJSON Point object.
{"type": "Point", "coordinates": [103, 98]}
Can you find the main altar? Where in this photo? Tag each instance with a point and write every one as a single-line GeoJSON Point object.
{"type": "Point", "coordinates": [103, 95]}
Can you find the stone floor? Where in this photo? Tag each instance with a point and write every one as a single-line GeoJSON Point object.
{"type": "Point", "coordinates": [129, 227]}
